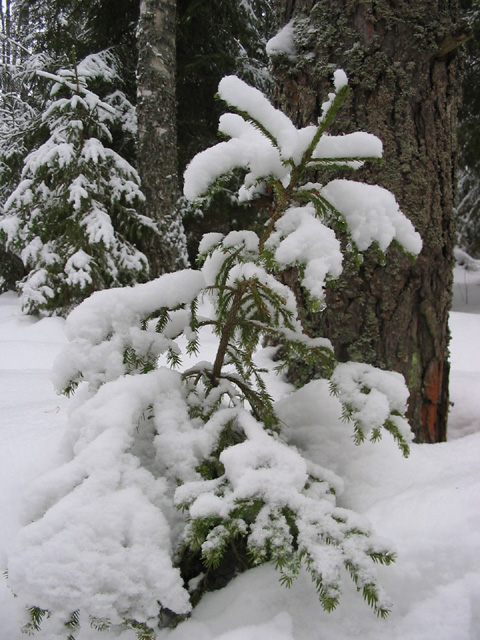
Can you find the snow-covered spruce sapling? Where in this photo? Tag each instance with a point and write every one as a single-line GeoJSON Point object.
{"type": "Point", "coordinates": [243, 495]}
{"type": "Point", "coordinates": [169, 473]}
{"type": "Point", "coordinates": [72, 217]}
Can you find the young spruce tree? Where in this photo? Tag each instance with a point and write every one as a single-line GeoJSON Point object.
{"type": "Point", "coordinates": [72, 217]}
{"type": "Point", "coordinates": [170, 470]}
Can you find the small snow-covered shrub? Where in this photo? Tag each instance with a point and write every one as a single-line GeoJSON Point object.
{"type": "Point", "coordinates": [72, 217]}
{"type": "Point", "coordinates": [170, 471]}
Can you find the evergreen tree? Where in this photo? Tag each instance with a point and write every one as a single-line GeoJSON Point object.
{"type": "Point", "coordinates": [48, 31]}
{"type": "Point", "coordinates": [72, 217]}
{"type": "Point", "coordinates": [40, 37]}
{"type": "Point", "coordinates": [148, 440]}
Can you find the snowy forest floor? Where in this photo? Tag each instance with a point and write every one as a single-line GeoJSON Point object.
{"type": "Point", "coordinates": [427, 505]}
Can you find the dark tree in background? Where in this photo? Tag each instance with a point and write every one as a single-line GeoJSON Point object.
{"type": "Point", "coordinates": [157, 131]}
{"type": "Point", "coordinates": [468, 208]}
{"type": "Point", "coordinates": [402, 63]}
{"type": "Point", "coordinates": [215, 39]}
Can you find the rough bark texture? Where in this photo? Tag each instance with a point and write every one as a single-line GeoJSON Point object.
{"type": "Point", "coordinates": [157, 131]}
{"type": "Point", "coordinates": [404, 89]}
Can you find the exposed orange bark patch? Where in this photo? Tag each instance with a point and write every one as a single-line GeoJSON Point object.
{"type": "Point", "coordinates": [432, 397]}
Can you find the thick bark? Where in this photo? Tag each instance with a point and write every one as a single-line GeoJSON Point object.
{"type": "Point", "coordinates": [157, 132]}
{"type": "Point", "coordinates": [404, 89]}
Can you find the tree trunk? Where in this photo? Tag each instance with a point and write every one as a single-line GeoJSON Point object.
{"type": "Point", "coordinates": [157, 132]}
{"type": "Point", "coordinates": [400, 59]}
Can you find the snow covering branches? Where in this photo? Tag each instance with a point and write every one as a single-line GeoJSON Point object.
{"type": "Point", "coordinates": [173, 471]}
{"type": "Point", "coordinates": [276, 158]}
{"type": "Point", "coordinates": [72, 217]}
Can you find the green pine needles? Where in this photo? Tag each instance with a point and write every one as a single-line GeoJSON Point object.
{"type": "Point", "coordinates": [297, 524]}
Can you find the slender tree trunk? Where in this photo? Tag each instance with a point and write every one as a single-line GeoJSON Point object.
{"type": "Point", "coordinates": [400, 58]}
{"type": "Point", "coordinates": [157, 131]}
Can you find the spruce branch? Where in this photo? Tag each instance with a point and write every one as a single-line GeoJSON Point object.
{"type": "Point", "coordinates": [227, 331]}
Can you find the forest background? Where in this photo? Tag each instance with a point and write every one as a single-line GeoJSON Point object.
{"type": "Point", "coordinates": [69, 67]}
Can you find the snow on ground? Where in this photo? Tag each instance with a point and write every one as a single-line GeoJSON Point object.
{"type": "Point", "coordinates": [32, 419]}
{"type": "Point", "coordinates": [428, 504]}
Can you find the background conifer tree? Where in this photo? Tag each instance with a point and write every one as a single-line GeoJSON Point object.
{"type": "Point", "coordinates": [72, 218]}
{"type": "Point", "coordinates": [39, 36]}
